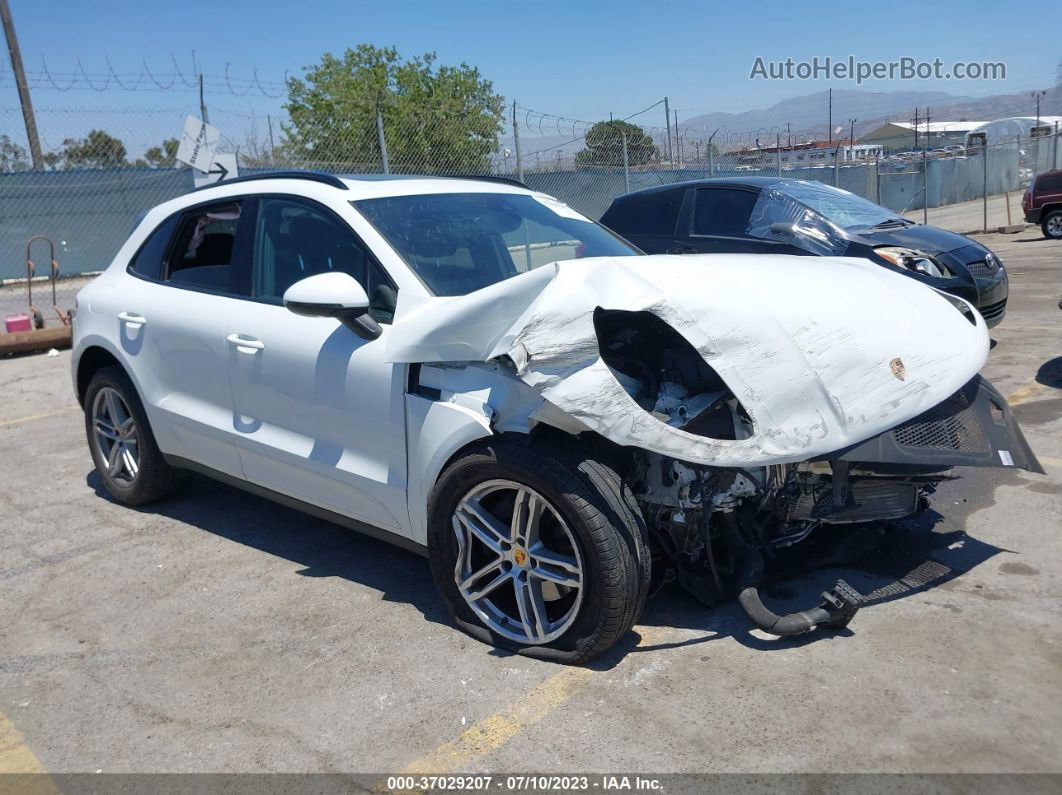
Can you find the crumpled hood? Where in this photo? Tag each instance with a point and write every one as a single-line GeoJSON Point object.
{"type": "Point", "coordinates": [927, 239]}
{"type": "Point", "coordinates": [809, 345]}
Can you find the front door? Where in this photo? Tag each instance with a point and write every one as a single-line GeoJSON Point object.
{"type": "Point", "coordinates": [718, 222]}
{"type": "Point", "coordinates": [319, 412]}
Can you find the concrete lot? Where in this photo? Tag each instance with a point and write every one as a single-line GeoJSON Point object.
{"type": "Point", "coordinates": [219, 632]}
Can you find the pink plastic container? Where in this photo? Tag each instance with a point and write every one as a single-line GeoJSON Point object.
{"type": "Point", "coordinates": [13, 323]}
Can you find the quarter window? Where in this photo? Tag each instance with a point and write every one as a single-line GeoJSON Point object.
{"type": "Point", "coordinates": [147, 262]}
{"type": "Point", "coordinates": [1049, 183]}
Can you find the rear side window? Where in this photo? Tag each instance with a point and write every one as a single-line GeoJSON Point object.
{"type": "Point", "coordinates": [1049, 183]}
{"type": "Point", "coordinates": [722, 211]}
{"type": "Point", "coordinates": [147, 262]}
{"type": "Point", "coordinates": [646, 214]}
{"type": "Point", "coordinates": [202, 254]}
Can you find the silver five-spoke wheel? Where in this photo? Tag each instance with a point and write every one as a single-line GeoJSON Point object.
{"type": "Point", "coordinates": [116, 435]}
{"type": "Point", "coordinates": [518, 565]}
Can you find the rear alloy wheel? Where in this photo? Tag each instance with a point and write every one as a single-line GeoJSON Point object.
{"type": "Point", "coordinates": [116, 436]}
{"type": "Point", "coordinates": [1052, 225]}
{"type": "Point", "coordinates": [538, 549]}
{"type": "Point", "coordinates": [123, 447]}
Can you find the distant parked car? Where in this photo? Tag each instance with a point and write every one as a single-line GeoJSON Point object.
{"type": "Point", "coordinates": [758, 215]}
{"type": "Point", "coordinates": [1042, 203]}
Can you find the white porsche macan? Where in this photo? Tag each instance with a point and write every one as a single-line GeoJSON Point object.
{"type": "Point", "coordinates": [475, 371]}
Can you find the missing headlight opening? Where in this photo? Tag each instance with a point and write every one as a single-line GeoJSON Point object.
{"type": "Point", "coordinates": [667, 377]}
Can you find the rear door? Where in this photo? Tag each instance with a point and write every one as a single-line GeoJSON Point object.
{"type": "Point", "coordinates": [172, 329]}
{"type": "Point", "coordinates": [648, 220]}
{"type": "Point", "coordinates": [319, 412]}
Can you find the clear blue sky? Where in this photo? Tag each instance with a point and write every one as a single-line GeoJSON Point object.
{"type": "Point", "coordinates": [580, 59]}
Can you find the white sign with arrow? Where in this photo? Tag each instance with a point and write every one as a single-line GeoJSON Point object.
{"type": "Point", "coordinates": [198, 144]}
{"type": "Point", "coordinates": [224, 167]}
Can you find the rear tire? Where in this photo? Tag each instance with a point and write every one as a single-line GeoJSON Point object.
{"type": "Point", "coordinates": [121, 442]}
{"type": "Point", "coordinates": [587, 555]}
{"type": "Point", "coordinates": [1051, 224]}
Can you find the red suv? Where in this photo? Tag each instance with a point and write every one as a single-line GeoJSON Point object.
{"type": "Point", "coordinates": [1042, 203]}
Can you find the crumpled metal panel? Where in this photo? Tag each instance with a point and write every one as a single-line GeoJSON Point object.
{"type": "Point", "coordinates": [822, 352]}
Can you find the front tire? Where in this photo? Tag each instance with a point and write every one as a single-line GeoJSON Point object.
{"type": "Point", "coordinates": [1052, 225]}
{"type": "Point", "coordinates": [538, 550]}
{"type": "Point", "coordinates": [123, 448]}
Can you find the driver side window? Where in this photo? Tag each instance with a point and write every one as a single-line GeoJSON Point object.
{"type": "Point", "coordinates": [293, 240]}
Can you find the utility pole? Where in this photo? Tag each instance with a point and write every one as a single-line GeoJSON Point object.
{"type": "Point", "coordinates": [926, 136]}
{"type": "Point", "coordinates": [23, 87]}
{"type": "Point", "coordinates": [1035, 95]}
{"type": "Point", "coordinates": [667, 121]}
{"type": "Point", "coordinates": [678, 139]}
{"type": "Point", "coordinates": [272, 147]}
{"type": "Point", "coordinates": [202, 101]}
{"type": "Point", "coordinates": [788, 136]}
{"type": "Point", "coordinates": [1036, 152]}
{"type": "Point", "coordinates": [916, 128]}
{"type": "Point", "coordinates": [516, 146]}
{"type": "Point", "coordinates": [851, 138]}
{"type": "Point", "coordinates": [829, 121]}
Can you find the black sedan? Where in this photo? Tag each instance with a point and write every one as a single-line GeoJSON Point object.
{"type": "Point", "coordinates": [779, 215]}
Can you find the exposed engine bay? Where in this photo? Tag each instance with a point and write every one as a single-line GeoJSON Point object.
{"type": "Point", "coordinates": [717, 525]}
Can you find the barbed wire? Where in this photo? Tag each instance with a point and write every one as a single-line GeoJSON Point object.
{"type": "Point", "coordinates": [147, 79]}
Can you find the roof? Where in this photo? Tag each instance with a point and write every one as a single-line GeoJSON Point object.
{"type": "Point", "coordinates": [362, 186]}
{"type": "Point", "coordinates": [892, 129]}
{"type": "Point", "coordinates": [939, 126]}
{"type": "Point", "coordinates": [725, 182]}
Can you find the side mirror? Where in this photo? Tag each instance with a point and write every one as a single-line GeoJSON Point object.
{"type": "Point", "coordinates": [335, 295]}
{"type": "Point", "coordinates": [789, 230]}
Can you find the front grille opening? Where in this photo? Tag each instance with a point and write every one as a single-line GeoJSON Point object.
{"type": "Point", "coordinates": [951, 425]}
{"type": "Point", "coordinates": [666, 375]}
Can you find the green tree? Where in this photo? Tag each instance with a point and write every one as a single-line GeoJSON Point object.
{"type": "Point", "coordinates": [435, 118]}
{"type": "Point", "coordinates": [12, 156]}
{"type": "Point", "coordinates": [162, 156]}
{"type": "Point", "coordinates": [98, 149]}
{"type": "Point", "coordinates": [604, 145]}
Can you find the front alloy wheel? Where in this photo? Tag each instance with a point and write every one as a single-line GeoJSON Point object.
{"type": "Point", "coordinates": [538, 548]}
{"type": "Point", "coordinates": [518, 566]}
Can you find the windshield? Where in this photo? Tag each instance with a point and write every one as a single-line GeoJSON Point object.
{"type": "Point", "coordinates": [840, 207]}
{"type": "Point", "coordinates": [461, 242]}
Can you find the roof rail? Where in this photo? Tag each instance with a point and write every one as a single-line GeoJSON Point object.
{"type": "Point", "coordinates": [314, 176]}
{"type": "Point", "coordinates": [492, 178]}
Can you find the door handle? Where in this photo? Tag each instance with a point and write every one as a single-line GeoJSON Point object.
{"type": "Point", "coordinates": [132, 319]}
{"type": "Point", "coordinates": [245, 344]}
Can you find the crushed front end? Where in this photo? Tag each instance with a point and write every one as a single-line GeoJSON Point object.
{"type": "Point", "coordinates": [718, 526]}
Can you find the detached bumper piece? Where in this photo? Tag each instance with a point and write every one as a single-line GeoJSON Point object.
{"type": "Point", "coordinates": [973, 428]}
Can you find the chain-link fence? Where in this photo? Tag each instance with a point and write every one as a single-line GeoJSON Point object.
{"type": "Point", "coordinates": [101, 168]}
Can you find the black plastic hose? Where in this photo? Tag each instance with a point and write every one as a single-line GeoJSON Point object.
{"type": "Point", "coordinates": [838, 607]}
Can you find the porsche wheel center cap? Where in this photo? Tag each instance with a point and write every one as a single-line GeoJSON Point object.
{"type": "Point", "coordinates": [520, 556]}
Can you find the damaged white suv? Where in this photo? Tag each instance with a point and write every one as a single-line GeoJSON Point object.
{"type": "Point", "coordinates": [475, 371]}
